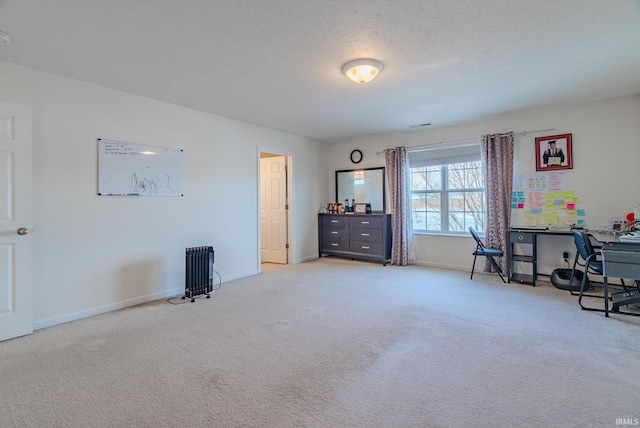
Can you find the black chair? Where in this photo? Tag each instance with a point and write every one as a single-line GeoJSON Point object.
{"type": "Point", "coordinates": [592, 264]}
{"type": "Point", "coordinates": [487, 252]}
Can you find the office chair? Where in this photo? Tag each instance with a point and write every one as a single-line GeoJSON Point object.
{"type": "Point", "coordinates": [592, 264]}
{"type": "Point", "coordinates": [487, 252]}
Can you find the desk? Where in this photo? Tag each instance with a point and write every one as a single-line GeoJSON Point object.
{"type": "Point", "coordinates": [527, 237]}
{"type": "Point", "coordinates": [613, 242]}
{"type": "Point", "coordinates": [530, 237]}
{"type": "Point", "coordinates": [620, 259]}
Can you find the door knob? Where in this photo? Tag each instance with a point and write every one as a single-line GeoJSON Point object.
{"type": "Point", "coordinates": [23, 231]}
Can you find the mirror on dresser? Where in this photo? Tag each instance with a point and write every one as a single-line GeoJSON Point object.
{"type": "Point", "coordinates": [366, 185]}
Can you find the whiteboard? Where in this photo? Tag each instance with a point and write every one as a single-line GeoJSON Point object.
{"type": "Point", "coordinates": [136, 169]}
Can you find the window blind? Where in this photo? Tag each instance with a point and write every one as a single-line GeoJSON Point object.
{"type": "Point", "coordinates": [444, 155]}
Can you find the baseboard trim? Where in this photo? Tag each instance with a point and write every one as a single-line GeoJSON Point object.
{"type": "Point", "coordinates": [74, 316]}
{"type": "Point", "coordinates": [443, 266]}
{"type": "Point", "coordinates": [305, 259]}
{"type": "Point", "coordinates": [240, 275]}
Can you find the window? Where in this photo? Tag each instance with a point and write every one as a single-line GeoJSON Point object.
{"type": "Point", "coordinates": [448, 190]}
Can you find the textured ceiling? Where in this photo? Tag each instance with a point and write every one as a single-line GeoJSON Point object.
{"type": "Point", "coordinates": [276, 63]}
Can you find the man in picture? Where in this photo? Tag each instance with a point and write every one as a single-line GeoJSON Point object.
{"type": "Point", "coordinates": [553, 156]}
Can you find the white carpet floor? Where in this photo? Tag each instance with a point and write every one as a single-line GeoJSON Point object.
{"type": "Point", "coordinates": [333, 343]}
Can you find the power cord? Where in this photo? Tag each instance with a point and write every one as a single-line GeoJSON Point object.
{"type": "Point", "coordinates": [182, 300]}
{"type": "Point", "coordinates": [202, 296]}
{"type": "Point", "coordinates": [219, 280]}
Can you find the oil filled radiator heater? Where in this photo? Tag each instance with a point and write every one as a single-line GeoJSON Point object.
{"type": "Point", "coordinates": [198, 272]}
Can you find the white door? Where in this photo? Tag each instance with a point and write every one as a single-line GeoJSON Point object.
{"type": "Point", "coordinates": [16, 303]}
{"type": "Point", "coordinates": [273, 210]}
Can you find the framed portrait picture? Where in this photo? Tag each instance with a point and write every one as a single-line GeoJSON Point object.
{"type": "Point", "coordinates": [553, 152]}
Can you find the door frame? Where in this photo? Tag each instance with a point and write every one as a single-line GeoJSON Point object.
{"type": "Point", "coordinates": [290, 199]}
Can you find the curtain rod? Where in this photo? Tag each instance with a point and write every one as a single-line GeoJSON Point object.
{"type": "Point", "coordinates": [467, 140]}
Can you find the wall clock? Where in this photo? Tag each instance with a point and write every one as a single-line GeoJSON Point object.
{"type": "Point", "coordinates": [356, 156]}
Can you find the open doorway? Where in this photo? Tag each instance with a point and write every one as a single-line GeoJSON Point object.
{"type": "Point", "coordinates": [274, 201]}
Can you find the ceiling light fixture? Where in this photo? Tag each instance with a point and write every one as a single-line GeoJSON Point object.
{"type": "Point", "coordinates": [362, 70]}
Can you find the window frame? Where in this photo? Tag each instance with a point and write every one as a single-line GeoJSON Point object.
{"type": "Point", "coordinates": [444, 193]}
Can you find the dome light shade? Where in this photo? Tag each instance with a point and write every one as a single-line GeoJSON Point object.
{"type": "Point", "coordinates": [362, 70]}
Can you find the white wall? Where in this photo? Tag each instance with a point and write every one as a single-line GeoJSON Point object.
{"type": "Point", "coordinates": [93, 254]}
{"type": "Point", "coordinates": [606, 173]}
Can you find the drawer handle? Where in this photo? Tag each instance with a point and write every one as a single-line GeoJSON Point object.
{"type": "Point", "coordinates": [365, 234]}
{"type": "Point", "coordinates": [364, 222]}
{"type": "Point", "coordinates": [334, 233]}
{"type": "Point", "coordinates": [334, 221]}
{"type": "Point", "coordinates": [520, 237]}
{"type": "Point", "coordinates": [335, 245]}
{"type": "Point", "coordinates": [365, 248]}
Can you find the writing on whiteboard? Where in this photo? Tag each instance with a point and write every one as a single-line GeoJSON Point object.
{"type": "Point", "coordinates": [138, 169]}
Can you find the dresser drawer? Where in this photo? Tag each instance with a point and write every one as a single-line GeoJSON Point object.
{"type": "Point", "coordinates": [364, 234]}
{"type": "Point", "coordinates": [335, 221]}
{"type": "Point", "coordinates": [367, 221]}
{"type": "Point", "coordinates": [335, 244]}
{"type": "Point", "coordinates": [335, 233]}
{"type": "Point", "coordinates": [366, 247]}
{"type": "Point", "coordinates": [521, 238]}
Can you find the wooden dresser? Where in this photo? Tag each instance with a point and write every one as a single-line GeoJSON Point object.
{"type": "Point", "coordinates": [356, 236]}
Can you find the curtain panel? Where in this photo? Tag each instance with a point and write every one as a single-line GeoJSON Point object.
{"type": "Point", "coordinates": [497, 158]}
{"type": "Point", "coordinates": [398, 176]}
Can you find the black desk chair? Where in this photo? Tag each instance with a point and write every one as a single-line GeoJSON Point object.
{"type": "Point", "coordinates": [592, 264]}
{"type": "Point", "coordinates": [487, 252]}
